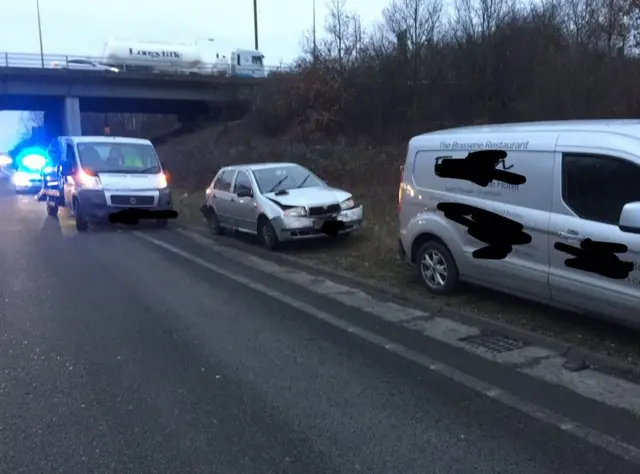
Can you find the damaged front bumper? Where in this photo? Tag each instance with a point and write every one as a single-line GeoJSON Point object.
{"type": "Point", "coordinates": [297, 228]}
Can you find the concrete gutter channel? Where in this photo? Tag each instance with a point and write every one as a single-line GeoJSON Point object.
{"type": "Point", "coordinates": [600, 378]}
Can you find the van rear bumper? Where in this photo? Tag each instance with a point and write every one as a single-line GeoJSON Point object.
{"type": "Point", "coordinates": [402, 254]}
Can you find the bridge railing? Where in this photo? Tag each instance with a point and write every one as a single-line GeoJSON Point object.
{"type": "Point", "coordinates": [89, 63]}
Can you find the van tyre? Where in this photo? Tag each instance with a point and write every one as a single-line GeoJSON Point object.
{"type": "Point", "coordinates": [52, 210]}
{"type": "Point", "coordinates": [268, 235]}
{"type": "Point", "coordinates": [82, 225]}
{"type": "Point", "coordinates": [437, 269]}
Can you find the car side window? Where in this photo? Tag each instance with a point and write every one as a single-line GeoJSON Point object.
{"type": "Point", "coordinates": [215, 184]}
{"type": "Point", "coordinates": [243, 183]}
{"type": "Point", "coordinates": [597, 187]}
{"type": "Point", "coordinates": [224, 181]}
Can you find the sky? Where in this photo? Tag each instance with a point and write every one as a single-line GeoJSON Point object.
{"type": "Point", "coordinates": [82, 27]}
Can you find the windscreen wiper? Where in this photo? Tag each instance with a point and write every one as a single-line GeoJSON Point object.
{"type": "Point", "coordinates": [148, 170]}
{"type": "Point", "coordinates": [277, 185]}
{"type": "Point", "coordinates": [303, 181]}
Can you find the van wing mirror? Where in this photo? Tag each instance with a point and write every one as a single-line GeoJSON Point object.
{"type": "Point", "coordinates": [630, 218]}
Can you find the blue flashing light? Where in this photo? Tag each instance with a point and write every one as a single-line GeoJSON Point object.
{"type": "Point", "coordinates": [33, 159]}
{"type": "Point", "coordinates": [34, 162]}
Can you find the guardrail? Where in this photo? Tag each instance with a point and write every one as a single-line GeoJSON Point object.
{"type": "Point", "coordinates": [155, 65]}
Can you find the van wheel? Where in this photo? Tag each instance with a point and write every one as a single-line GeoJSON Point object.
{"type": "Point", "coordinates": [437, 268]}
{"type": "Point", "coordinates": [82, 225]}
{"type": "Point", "coordinates": [52, 210]}
{"type": "Point", "coordinates": [268, 235]}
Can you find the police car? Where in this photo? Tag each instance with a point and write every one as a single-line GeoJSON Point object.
{"type": "Point", "coordinates": [27, 174]}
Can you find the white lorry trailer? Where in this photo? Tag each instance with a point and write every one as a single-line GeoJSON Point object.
{"type": "Point", "coordinates": [148, 56]}
{"type": "Point", "coordinates": [131, 55]}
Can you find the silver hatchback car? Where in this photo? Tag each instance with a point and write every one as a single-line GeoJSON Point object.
{"type": "Point", "coordinates": [278, 202]}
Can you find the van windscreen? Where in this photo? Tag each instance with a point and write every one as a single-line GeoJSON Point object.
{"type": "Point", "coordinates": [114, 157]}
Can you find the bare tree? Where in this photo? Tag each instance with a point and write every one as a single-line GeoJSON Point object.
{"type": "Point", "coordinates": [358, 36]}
{"type": "Point", "coordinates": [479, 18]}
{"type": "Point", "coordinates": [580, 18]}
{"type": "Point", "coordinates": [415, 24]}
{"type": "Point", "coordinates": [34, 119]}
{"type": "Point", "coordinates": [613, 25]}
{"type": "Point", "coordinates": [419, 19]}
{"type": "Point", "coordinates": [339, 25]}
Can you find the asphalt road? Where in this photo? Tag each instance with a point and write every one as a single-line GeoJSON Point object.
{"type": "Point", "coordinates": [117, 356]}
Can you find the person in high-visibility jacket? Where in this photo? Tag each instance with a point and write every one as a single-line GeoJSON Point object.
{"type": "Point", "coordinates": [129, 160]}
{"type": "Point", "coordinates": [132, 160]}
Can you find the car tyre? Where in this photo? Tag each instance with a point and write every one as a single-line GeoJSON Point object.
{"type": "Point", "coordinates": [213, 222]}
{"type": "Point", "coordinates": [437, 268]}
{"type": "Point", "coordinates": [268, 235]}
{"type": "Point", "coordinates": [82, 225]}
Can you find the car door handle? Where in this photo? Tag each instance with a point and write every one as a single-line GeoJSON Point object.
{"type": "Point", "coordinates": [569, 235]}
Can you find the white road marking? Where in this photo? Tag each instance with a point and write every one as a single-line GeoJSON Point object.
{"type": "Point", "coordinates": [594, 437]}
{"type": "Point", "coordinates": [345, 294]}
{"type": "Point", "coordinates": [589, 383]}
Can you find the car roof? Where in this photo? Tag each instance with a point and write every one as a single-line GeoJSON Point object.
{"type": "Point", "coordinates": [261, 166]}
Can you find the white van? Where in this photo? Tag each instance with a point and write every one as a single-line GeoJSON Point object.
{"type": "Point", "coordinates": [97, 177]}
{"type": "Point", "coordinates": [548, 211]}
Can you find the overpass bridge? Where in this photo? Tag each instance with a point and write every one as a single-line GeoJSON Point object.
{"type": "Point", "coordinates": [54, 85]}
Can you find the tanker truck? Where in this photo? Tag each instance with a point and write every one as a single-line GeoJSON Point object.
{"type": "Point", "coordinates": [147, 56]}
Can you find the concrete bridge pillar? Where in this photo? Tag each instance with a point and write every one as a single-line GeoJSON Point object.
{"type": "Point", "coordinates": [63, 118]}
{"type": "Point", "coordinates": [71, 115]}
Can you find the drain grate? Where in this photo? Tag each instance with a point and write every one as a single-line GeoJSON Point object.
{"type": "Point", "coordinates": [495, 343]}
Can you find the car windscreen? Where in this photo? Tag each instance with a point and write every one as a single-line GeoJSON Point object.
{"type": "Point", "coordinates": [118, 157]}
{"type": "Point", "coordinates": [284, 178]}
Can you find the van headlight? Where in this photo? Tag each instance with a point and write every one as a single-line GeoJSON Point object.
{"type": "Point", "coordinates": [295, 212]}
{"type": "Point", "coordinates": [162, 181]}
{"type": "Point", "coordinates": [88, 181]}
{"type": "Point", "coordinates": [348, 204]}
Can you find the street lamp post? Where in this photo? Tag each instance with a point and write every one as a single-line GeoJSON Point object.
{"type": "Point", "coordinates": [255, 22]}
{"type": "Point", "coordinates": [40, 33]}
